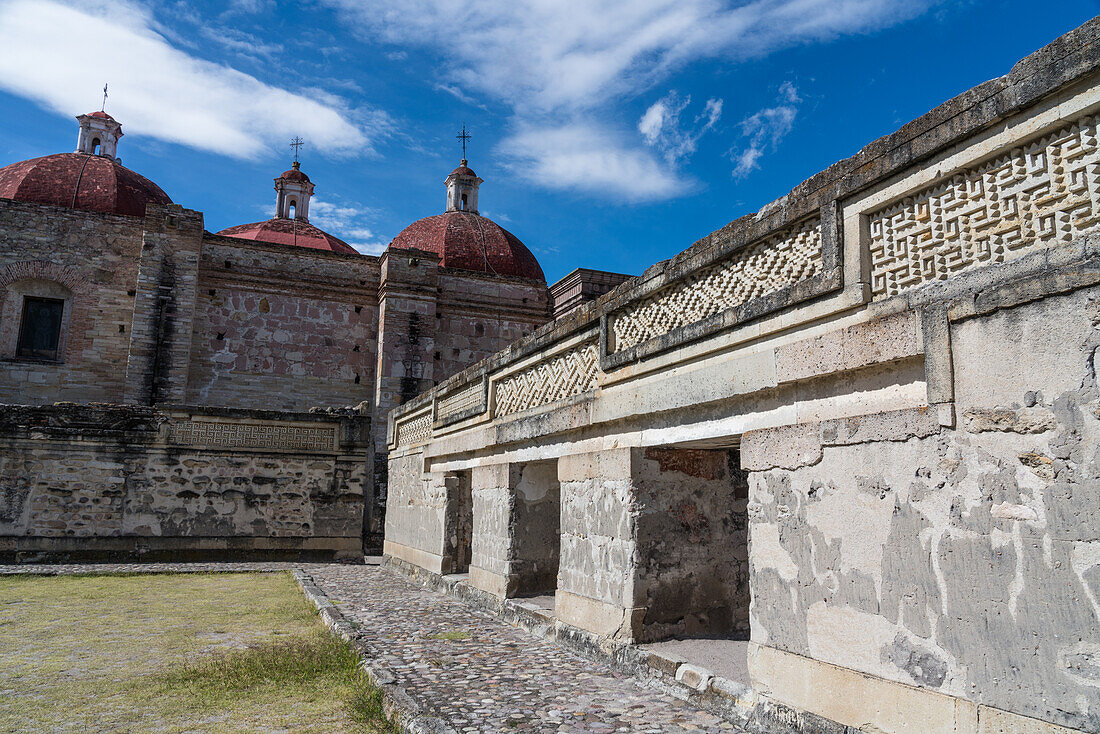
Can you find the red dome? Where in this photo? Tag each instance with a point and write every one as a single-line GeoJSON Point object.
{"type": "Point", "coordinates": [294, 174]}
{"type": "Point", "coordinates": [282, 231]}
{"type": "Point", "coordinates": [463, 170]}
{"type": "Point", "coordinates": [470, 242]}
{"type": "Point", "coordinates": [80, 181]}
{"type": "Point", "coordinates": [101, 114]}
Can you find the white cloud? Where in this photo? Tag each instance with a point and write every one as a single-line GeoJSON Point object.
{"type": "Point", "coordinates": [591, 159]}
{"type": "Point", "coordinates": [60, 56]}
{"type": "Point", "coordinates": [573, 59]}
{"type": "Point", "coordinates": [766, 128]}
{"type": "Point", "coordinates": [662, 129]}
{"type": "Point", "coordinates": [238, 42]}
{"type": "Point", "coordinates": [349, 222]}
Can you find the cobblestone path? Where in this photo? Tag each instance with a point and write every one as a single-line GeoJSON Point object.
{"type": "Point", "coordinates": [463, 665]}
{"type": "Point", "coordinates": [482, 675]}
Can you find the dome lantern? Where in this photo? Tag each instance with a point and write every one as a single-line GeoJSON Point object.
{"type": "Point", "coordinates": [293, 190]}
{"type": "Point", "coordinates": [99, 134]}
{"type": "Point", "coordinates": [462, 186]}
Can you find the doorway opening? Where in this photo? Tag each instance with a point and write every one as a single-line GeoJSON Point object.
{"type": "Point", "coordinates": [693, 550]}
{"type": "Point", "coordinates": [459, 523]}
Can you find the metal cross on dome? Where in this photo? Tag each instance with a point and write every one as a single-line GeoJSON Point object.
{"type": "Point", "coordinates": [463, 136]}
{"type": "Point", "coordinates": [296, 144]}
{"type": "Point", "coordinates": [103, 107]}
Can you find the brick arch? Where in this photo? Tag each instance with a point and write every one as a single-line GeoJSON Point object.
{"type": "Point", "coordinates": [76, 326]}
{"type": "Point", "coordinates": [44, 270]}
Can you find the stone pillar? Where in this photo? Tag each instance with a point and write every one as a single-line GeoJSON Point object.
{"type": "Point", "coordinates": [494, 513]}
{"type": "Point", "coordinates": [598, 566]}
{"type": "Point", "coordinates": [164, 306]}
{"type": "Point", "coordinates": [516, 544]}
{"type": "Point", "coordinates": [407, 304]}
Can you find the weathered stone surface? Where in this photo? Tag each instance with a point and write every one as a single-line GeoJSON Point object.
{"type": "Point", "coordinates": [83, 480]}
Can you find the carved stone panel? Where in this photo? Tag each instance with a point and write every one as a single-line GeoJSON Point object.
{"type": "Point", "coordinates": [564, 375]}
{"type": "Point", "coordinates": [1038, 194]}
{"type": "Point", "coordinates": [761, 269]}
{"type": "Point", "coordinates": [260, 436]}
{"type": "Point", "coordinates": [414, 430]}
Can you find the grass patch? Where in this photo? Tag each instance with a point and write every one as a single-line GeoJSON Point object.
{"type": "Point", "coordinates": [450, 635]}
{"type": "Point", "coordinates": [175, 653]}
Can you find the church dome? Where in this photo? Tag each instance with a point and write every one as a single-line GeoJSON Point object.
{"type": "Point", "coordinates": [469, 241]}
{"type": "Point", "coordinates": [81, 181]}
{"type": "Point", "coordinates": [284, 231]}
{"type": "Point", "coordinates": [290, 225]}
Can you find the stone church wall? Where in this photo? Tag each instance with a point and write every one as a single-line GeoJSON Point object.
{"type": "Point", "coordinates": [105, 481]}
{"type": "Point", "coordinates": [282, 328]}
{"type": "Point", "coordinates": [478, 315]}
{"type": "Point", "coordinates": [91, 261]}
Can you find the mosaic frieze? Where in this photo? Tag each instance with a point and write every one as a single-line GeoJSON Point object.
{"type": "Point", "coordinates": [1034, 195]}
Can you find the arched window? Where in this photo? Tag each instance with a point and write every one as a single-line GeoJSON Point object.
{"type": "Point", "coordinates": [95, 146]}
{"type": "Point", "coordinates": [34, 323]}
{"type": "Point", "coordinates": [291, 208]}
{"type": "Point", "coordinates": [464, 202]}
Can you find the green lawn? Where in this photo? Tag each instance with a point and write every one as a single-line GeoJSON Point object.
{"type": "Point", "coordinates": [174, 653]}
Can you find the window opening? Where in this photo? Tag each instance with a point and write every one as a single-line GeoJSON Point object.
{"type": "Point", "coordinates": [40, 329]}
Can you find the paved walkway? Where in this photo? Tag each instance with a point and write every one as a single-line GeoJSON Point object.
{"type": "Point", "coordinates": [481, 675]}
{"type": "Point", "coordinates": [463, 665]}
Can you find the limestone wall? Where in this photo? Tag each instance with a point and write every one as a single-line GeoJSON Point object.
{"type": "Point", "coordinates": [959, 560]}
{"type": "Point", "coordinates": [87, 258]}
{"type": "Point", "coordinates": [904, 349]}
{"type": "Point", "coordinates": [102, 481]}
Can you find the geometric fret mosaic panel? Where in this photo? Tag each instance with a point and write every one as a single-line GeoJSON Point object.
{"type": "Point", "coordinates": [761, 269]}
{"type": "Point", "coordinates": [562, 376]}
{"type": "Point", "coordinates": [1037, 194]}
{"type": "Point", "coordinates": [465, 398]}
{"type": "Point", "coordinates": [415, 430]}
{"type": "Point", "coordinates": [211, 434]}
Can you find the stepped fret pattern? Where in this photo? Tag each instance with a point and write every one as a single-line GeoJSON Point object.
{"type": "Point", "coordinates": [559, 377]}
{"type": "Point", "coordinates": [761, 269]}
{"type": "Point", "coordinates": [211, 434]}
{"type": "Point", "coordinates": [467, 397]}
{"type": "Point", "coordinates": [414, 430]}
{"type": "Point", "coordinates": [1038, 194]}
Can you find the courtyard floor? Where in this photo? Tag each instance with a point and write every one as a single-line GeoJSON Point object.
{"type": "Point", "coordinates": [200, 652]}
{"type": "Point", "coordinates": [463, 665]}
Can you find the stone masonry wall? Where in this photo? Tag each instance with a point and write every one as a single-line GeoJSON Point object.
{"type": "Point", "coordinates": [693, 579]}
{"type": "Point", "coordinates": [477, 316]}
{"type": "Point", "coordinates": [94, 481]}
{"type": "Point", "coordinates": [965, 561]}
{"type": "Point", "coordinates": [93, 259]}
{"type": "Point", "coordinates": [283, 330]}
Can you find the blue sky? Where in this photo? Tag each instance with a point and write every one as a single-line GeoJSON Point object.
{"type": "Point", "coordinates": [610, 135]}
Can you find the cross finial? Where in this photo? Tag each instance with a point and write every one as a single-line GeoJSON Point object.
{"type": "Point", "coordinates": [296, 144]}
{"type": "Point", "coordinates": [463, 136]}
{"type": "Point", "coordinates": [103, 107]}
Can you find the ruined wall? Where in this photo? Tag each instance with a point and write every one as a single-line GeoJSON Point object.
{"type": "Point", "coordinates": [962, 560]}
{"type": "Point", "coordinates": [693, 579]}
{"type": "Point", "coordinates": [283, 328]}
{"type": "Point", "coordinates": [89, 259]}
{"type": "Point", "coordinates": [104, 481]}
